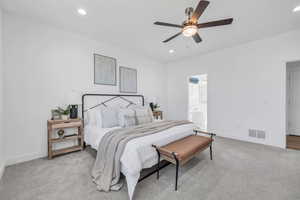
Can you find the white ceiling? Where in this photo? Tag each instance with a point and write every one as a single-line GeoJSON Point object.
{"type": "Point", "coordinates": [129, 23]}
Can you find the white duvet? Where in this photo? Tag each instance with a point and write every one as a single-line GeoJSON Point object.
{"type": "Point", "coordinates": [138, 153]}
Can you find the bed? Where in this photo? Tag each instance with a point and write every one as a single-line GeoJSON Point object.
{"type": "Point", "coordinates": [138, 153]}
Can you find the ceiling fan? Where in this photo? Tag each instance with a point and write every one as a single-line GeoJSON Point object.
{"type": "Point", "coordinates": [189, 28]}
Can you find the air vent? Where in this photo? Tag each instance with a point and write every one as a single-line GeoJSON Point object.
{"type": "Point", "coordinates": [252, 133]}
{"type": "Point", "coordinates": [257, 133]}
{"type": "Point", "coordinates": [261, 134]}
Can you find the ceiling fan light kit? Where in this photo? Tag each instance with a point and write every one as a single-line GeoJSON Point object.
{"type": "Point", "coordinates": [190, 27]}
{"type": "Point", "coordinates": [189, 30]}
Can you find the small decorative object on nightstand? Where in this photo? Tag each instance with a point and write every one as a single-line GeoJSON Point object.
{"type": "Point", "coordinates": [158, 114]}
{"type": "Point", "coordinates": [60, 125]}
{"type": "Point", "coordinates": [74, 99]}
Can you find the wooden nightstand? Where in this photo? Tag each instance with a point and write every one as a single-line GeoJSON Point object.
{"type": "Point", "coordinates": [158, 114]}
{"type": "Point", "coordinates": [63, 124]}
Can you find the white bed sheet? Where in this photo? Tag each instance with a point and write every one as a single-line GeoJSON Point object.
{"type": "Point", "coordinates": [94, 134]}
{"type": "Point", "coordinates": [138, 153]}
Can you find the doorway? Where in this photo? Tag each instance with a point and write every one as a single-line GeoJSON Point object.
{"type": "Point", "coordinates": [293, 105]}
{"type": "Point", "coordinates": [197, 110]}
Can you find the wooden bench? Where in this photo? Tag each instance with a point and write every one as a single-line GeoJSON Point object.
{"type": "Point", "coordinates": [181, 151]}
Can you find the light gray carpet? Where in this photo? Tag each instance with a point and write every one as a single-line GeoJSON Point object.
{"type": "Point", "coordinates": [239, 171]}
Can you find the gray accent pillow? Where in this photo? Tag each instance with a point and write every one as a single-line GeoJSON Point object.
{"type": "Point", "coordinates": [129, 121]}
{"type": "Point", "coordinates": [125, 112]}
{"type": "Point", "coordinates": [143, 116]}
{"type": "Point", "coordinates": [109, 117]}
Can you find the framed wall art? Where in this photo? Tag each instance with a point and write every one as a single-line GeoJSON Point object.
{"type": "Point", "coordinates": [105, 70]}
{"type": "Point", "coordinates": [128, 80]}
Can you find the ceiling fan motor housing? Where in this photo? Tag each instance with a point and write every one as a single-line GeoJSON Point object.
{"type": "Point", "coordinates": [189, 11]}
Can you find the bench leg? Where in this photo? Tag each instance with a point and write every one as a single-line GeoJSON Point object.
{"type": "Point", "coordinates": [158, 161]}
{"type": "Point", "coordinates": [210, 150]}
{"type": "Point", "coordinates": [177, 167]}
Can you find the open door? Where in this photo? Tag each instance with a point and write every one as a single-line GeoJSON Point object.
{"type": "Point", "coordinates": [293, 98]}
{"type": "Point", "coordinates": [293, 105]}
{"type": "Point", "coordinates": [198, 100]}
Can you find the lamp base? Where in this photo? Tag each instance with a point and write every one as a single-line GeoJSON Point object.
{"type": "Point", "coordinates": [74, 112]}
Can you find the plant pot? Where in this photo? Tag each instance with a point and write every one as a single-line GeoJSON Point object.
{"type": "Point", "coordinates": [64, 117]}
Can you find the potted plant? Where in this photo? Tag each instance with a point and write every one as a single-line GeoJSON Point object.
{"type": "Point", "coordinates": [156, 107]}
{"type": "Point", "coordinates": [64, 113]}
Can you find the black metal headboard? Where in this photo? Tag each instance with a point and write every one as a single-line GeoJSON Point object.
{"type": "Point", "coordinates": [112, 97]}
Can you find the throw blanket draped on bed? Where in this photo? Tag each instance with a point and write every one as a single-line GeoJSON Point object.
{"type": "Point", "coordinates": [107, 168]}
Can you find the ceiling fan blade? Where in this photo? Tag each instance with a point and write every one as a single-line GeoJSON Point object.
{"type": "Point", "coordinates": [197, 38]}
{"type": "Point", "coordinates": [199, 10]}
{"type": "Point", "coordinates": [174, 36]}
{"type": "Point", "coordinates": [167, 24]}
{"type": "Point", "coordinates": [216, 23]}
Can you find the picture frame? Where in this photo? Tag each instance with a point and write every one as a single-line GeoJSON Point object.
{"type": "Point", "coordinates": [105, 70]}
{"type": "Point", "coordinates": [128, 80]}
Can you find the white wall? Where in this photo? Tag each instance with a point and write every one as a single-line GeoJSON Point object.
{"type": "Point", "coordinates": [43, 64]}
{"type": "Point", "coordinates": [246, 87]}
{"type": "Point", "coordinates": [2, 155]}
{"type": "Point", "coordinates": [246, 84]}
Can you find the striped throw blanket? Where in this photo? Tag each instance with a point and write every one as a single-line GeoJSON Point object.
{"type": "Point", "coordinates": [107, 168]}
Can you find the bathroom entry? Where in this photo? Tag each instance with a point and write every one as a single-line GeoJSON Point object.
{"type": "Point", "coordinates": [197, 112]}
{"type": "Point", "coordinates": [293, 105]}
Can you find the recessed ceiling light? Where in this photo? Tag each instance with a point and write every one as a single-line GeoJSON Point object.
{"type": "Point", "coordinates": [296, 9]}
{"type": "Point", "coordinates": [171, 51]}
{"type": "Point", "coordinates": [81, 12]}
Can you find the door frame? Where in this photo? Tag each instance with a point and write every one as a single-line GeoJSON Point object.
{"type": "Point", "coordinates": [188, 97]}
{"type": "Point", "coordinates": [287, 98]}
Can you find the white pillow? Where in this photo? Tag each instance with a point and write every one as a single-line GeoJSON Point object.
{"type": "Point", "coordinates": [145, 108]}
{"type": "Point", "coordinates": [109, 117]}
{"type": "Point", "coordinates": [94, 117]}
{"type": "Point", "coordinates": [151, 113]}
{"type": "Point", "coordinates": [125, 112]}
{"type": "Point", "coordinates": [143, 115]}
{"type": "Point", "coordinates": [135, 107]}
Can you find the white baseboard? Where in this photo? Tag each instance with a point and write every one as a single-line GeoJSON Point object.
{"type": "Point", "coordinates": [248, 139]}
{"type": "Point", "coordinates": [23, 158]}
{"type": "Point", "coordinates": [1, 171]}
{"type": "Point", "coordinates": [12, 160]}
{"type": "Point", "coordinates": [28, 157]}
{"type": "Point", "coordinates": [240, 138]}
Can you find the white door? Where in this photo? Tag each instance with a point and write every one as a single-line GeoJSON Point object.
{"type": "Point", "coordinates": [293, 99]}
{"type": "Point", "coordinates": [198, 100]}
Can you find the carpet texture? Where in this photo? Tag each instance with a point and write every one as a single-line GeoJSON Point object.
{"type": "Point", "coordinates": [239, 171]}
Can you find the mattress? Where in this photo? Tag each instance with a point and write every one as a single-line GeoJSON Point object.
{"type": "Point", "coordinates": [138, 153]}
